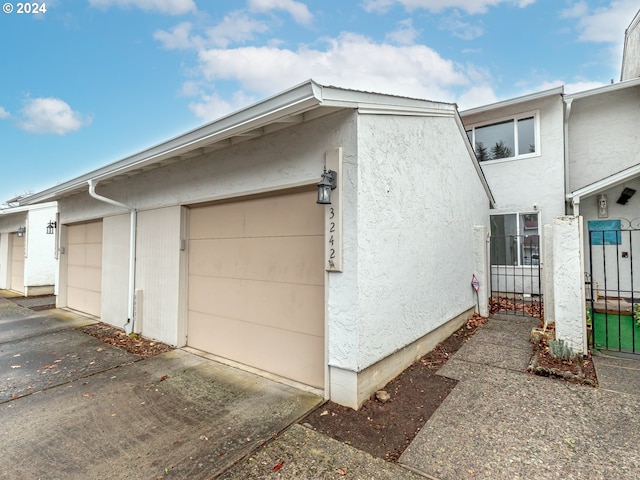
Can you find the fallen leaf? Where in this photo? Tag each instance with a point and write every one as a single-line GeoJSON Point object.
{"type": "Point", "coordinates": [341, 471]}
{"type": "Point", "coordinates": [326, 412]}
{"type": "Point", "coordinates": [278, 466]}
{"type": "Point", "coordinates": [163, 378]}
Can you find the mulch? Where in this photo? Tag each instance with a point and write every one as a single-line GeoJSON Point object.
{"type": "Point", "coordinates": [385, 429]}
{"type": "Point", "coordinates": [132, 343]}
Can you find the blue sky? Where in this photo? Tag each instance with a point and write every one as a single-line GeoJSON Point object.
{"type": "Point", "coordinates": [91, 81]}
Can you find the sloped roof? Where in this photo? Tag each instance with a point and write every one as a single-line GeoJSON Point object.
{"type": "Point", "coordinates": [299, 104]}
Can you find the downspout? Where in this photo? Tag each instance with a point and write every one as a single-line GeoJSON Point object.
{"type": "Point", "coordinates": [132, 252]}
{"type": "Point", "coordinates": [567, 184]}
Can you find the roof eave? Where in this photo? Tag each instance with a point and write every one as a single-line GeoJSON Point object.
{"type": "Point", "coordinates": [514, 101]}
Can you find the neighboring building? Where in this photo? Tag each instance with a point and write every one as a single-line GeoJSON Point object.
{"type": "Point", "coordinates": [217, 237]}
{"type": "Point", "coordinates": [520, 146]}
{"type": "Point", "coordinates": [631, 55]}
{"type": "Point", "coordinates": [27, 253]}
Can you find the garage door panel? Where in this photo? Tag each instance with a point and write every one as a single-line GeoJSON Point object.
{"type": "Point", "coordinates": [256, 284]}
{"type": "Point", "coordinates": [280, 259]}
{"type": "Point", "coordinates": [86, 278]}
{"type": "Point", "coordinates": [288, 354]}
{"type": "Point", "coordinates": [84, 267]}
{"type": "Point", "coordinates": [274, 216]}
{"type": "Point", "coordinates": [298, 308]}
{"type": "Point", "coordinates": [84, 300]}
{"type": "Point", "coordinates": [17, 264]}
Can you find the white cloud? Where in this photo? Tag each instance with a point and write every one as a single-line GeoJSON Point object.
{"type": "Point", "coordinates": [178, 38]}
{"type": "Point", "coordinates": [50, 115]}
{"type": "Point", "coordinates": [403, 70]}
{"type": "Point", "coordinates": [213, 106]}
{"type": "Point", "coordinates": [170, 7]}
{"type": "Point", "coordinates": [605, 24]}
{"type": "Point", "coordinates": [469, 6]}
{"type": "Point", "coordinates": [234, 28]}
{"type": "Point", "coordinates": [237, 27]}
{"type": "Point", "coordinates": [405, 34]}
{"type": "Point", "coordinates": [477, 96]}
{"type": "Point", "coordinates": [297, 10]}
{"type": "Point", "coordinates": [460, 29]}
{"type": "Point", "coordinates": [4, 113]}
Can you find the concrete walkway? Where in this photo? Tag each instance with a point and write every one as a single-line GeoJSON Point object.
{"type": "Point", "coordinates": [503, 423]}
{"type": "Point", "coordinates": [72, 407]}
{"type": "Point", "coordinates": [498, 423]}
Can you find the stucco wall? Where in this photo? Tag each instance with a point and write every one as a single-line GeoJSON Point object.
{"type": "Point", "coordinates": [40, 261]}
{"type": "Point", "coordinates": [419, 197]}
{"type": "Point", "coordinates": [631, 58]}
{"type": "Point", "coordinates": [285, 158]}
{"type": "Point", "coordinates": [115, 269]}
{"type": "Point", "coordinates": [603, 135]}
{"type": "Point", "coordinates": [518, 185]}
{"type": "Point", "coordinates": [158, 274]}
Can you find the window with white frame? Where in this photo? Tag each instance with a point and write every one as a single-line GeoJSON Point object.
{"type": "Point", "coordinates": [515, 239]}
{"type": "Point", "coordinates": [512, 137]}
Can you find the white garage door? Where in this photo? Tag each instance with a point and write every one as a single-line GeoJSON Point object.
{"type": "Point", "coordinates": [84, 267]}
{"type": "Point", "coordinates": [17, 263]}
{"type": "Point", "coordinates": [256, 284]}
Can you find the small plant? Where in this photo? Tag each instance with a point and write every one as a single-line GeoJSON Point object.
{"type": "Point", "coordinates": [636, 313]}
{"type": "Point", "coordinates": [559, 349]}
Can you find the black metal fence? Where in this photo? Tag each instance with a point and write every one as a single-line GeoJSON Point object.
{"type": "Point", "coordinates": [516, 286]}
{"type": "Point", "coordinates": [613, 287]}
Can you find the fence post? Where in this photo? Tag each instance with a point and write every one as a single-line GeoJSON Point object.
{"type": "Point", "coordinates": [481, 246]}
{"type": "Point", "coordinates": [568, 283]}
{"type": "Point", "coordinates": [547, 266]}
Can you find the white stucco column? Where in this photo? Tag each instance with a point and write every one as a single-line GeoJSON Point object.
{"type": "Point", "coordinates": [568, 283]}
{"type": "Point", "coordinates": [548, 273]}
{"type": "Point", "coordinates": [481, 267]}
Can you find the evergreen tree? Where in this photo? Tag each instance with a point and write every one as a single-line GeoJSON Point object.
{"type": "Point", "coordinates": [500, 150]}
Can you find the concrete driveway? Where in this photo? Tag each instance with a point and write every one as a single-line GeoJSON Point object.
{"type": "Point", "coordinates": [73, 407]}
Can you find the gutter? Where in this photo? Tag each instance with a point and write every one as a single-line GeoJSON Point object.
{"type": "Point", "coordinates": [128, 326]}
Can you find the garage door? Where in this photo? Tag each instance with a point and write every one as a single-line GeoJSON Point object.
{"type": "Point", "coordinates": [17, 263]}
{"type": "Point", "coordinates": [256, 284]}
{"type": "Point", "coordinates": [84, 267]}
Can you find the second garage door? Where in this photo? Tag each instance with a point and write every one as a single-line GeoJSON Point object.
{"type": "Point", "coordinates": [256, 284]}
{"type": "Point", "coordinates": [17, 263]}
{"type": "Point", "coordinates": [84, 267]}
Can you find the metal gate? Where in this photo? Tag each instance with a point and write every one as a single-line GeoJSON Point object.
{"type": "Point", "coordinates": [516, 275]}
{"type": "Point", "coordinates": [613, 285]}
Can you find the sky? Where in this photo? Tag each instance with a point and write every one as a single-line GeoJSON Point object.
{"type": "Point", "coordinates": [84, 83]}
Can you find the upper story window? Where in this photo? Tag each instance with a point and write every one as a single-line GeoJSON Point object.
{"type": "Point", "coordinates": [509, 138]}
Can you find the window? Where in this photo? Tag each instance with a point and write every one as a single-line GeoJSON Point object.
{"type": "Point", "coordinates": [515, 239]}
{"type": "Point", "coordinates": [509, 138]}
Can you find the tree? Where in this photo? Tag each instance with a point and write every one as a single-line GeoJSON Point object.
{"type": "Point", "coordinates": [501, 150]}
{"type": "Point", "coordinates": [481, 152]}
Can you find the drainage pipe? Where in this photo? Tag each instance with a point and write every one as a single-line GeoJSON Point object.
{"type": "Point", "coordinates": [132, 251]}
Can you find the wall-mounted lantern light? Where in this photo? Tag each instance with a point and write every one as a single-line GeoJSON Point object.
{"type": "Point", "coordinates": [603, 208]}
{"type": "Point", "coordinates": [328, 183]}
{"type": "Point", "coordinates": [21, 231]}
{"type": "Point", "coordinates": [51, 226]}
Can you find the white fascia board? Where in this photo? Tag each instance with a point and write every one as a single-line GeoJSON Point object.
{"type": "Point", "coordinates": [294, 101]}
{"type": "Point", "coordinates": [27, 208]}
{"type": "Point", "coordinates": [601, 185]}
{"type": "Point", "coordinates": [514, 101]}
{"type": "Point", "coordinates": [605, 89]}
{"type": "Point", "coordinates": [340, 97]}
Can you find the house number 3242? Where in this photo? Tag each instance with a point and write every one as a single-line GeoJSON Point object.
{"type": "Point", "coordinates": [332, 253]}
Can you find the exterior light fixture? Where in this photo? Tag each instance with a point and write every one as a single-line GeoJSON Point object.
{"type": "Point", "coordinates": [21, 231]}
{"type": "Point", "coordinates": [603, 208]}
{"type": "Point", "coordinates": [328, 183]}
{"type": "Point", "coordinates": [51, 226]}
